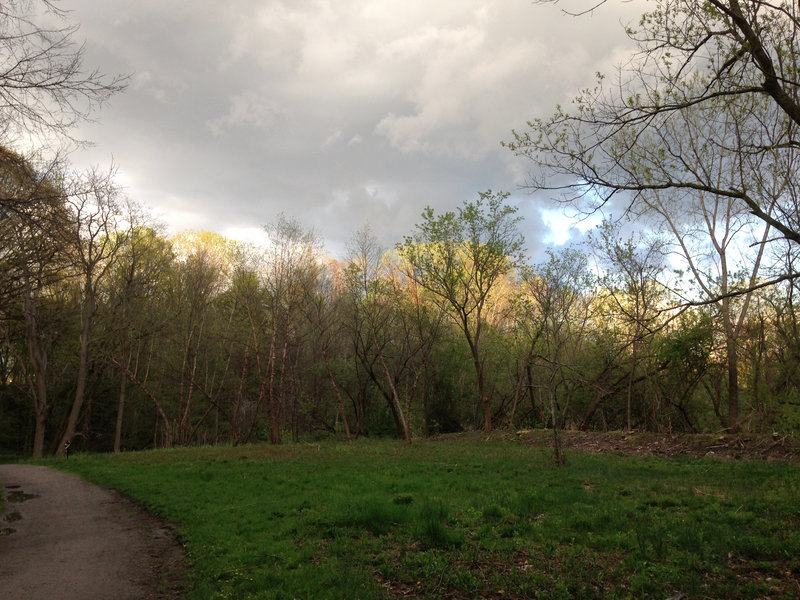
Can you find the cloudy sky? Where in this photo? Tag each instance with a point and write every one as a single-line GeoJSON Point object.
{"type": "Point", "coordinates": [334, 112]}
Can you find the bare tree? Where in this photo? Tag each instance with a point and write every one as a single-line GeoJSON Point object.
{"type": "Point", "coordinates": [694, 56]}
{"type": "Point", "coordinates": [93, 243]}
{"type": "Point", "coordinates": [561, 308]}
{"type": "Point", "coordinates": [290, 266]}
{"type": "Point", "coordinates": [632, 267]}
{"type": "Point", "coordinates": [45, 87]}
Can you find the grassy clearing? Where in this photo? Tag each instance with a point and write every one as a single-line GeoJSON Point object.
{"type": "Point", "coordinates": [466, 519]}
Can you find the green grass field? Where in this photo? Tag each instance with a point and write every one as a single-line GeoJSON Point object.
{"type": "Point", "coordinates": [461, 518]}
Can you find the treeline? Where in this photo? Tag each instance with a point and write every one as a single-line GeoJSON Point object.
{"type": "Point", "coordinates": [680, 318]}
{"type": "Point", "coordinates": [115, 336]}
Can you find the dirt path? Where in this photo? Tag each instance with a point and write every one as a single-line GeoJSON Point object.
{"type": "Point", "coordinates": [64, 538]}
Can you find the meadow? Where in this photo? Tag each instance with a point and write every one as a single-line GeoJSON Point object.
{"type": "Point", "coordinates": [465, 518]}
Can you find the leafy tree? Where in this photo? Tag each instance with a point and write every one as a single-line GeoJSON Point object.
{"type": "Point", "coordinates": [289, 272]}
{"type": "Point", "coordinates": [135, 307]}
{"type": "Point", "coordinates": [33, 220]}
{"type": "Point", "coordinates": [459, 257]}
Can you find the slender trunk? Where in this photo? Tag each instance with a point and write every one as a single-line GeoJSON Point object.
{"type": "Point", "coordinates": [38, 385]}
{"type": "Point", "coordinates": [732, 359]}
{"type": "Point", "coordinates": [733, 385]}
{"type": "Point", "coordinates": [482, 397]}
{"type": "Point", "coordinates": [630, 383]}
{"type": "Point", "coordinates": [338, 395]}
{"type": "Point", "coordinates": [120, 411]}
{"type": "Point", "coordinates": [278, 408]}
{"type": "Point", "coordinates": [188, 387]}
{"type": "Point", "coordinates": [270, 402]}
{"type": "Point", "coordinates": [83, 372]}
{"type": "Point", "coordinates": [513, 413]}
{"type": "Point", "coordinates": [473, 341]}
{"type": "Point", "coordinates": [558, 455]}
{"type": "Point", "coordinates": [159, 409]}
{"type": "Point", "coordinates": [396, 400]}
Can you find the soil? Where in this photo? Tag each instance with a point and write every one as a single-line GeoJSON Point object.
{"type": "Point", "coordinates": [725, 446]}
{"type": "Point", "coordinates": [62, 537]}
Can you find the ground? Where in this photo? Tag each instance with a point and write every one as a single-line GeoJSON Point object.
{"type": "Point", "coordinates": [730, 446]}
{"type": "Point", "coordinates": [62, 537]}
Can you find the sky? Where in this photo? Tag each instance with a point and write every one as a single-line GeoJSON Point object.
{"type": "Point", "coordinates": [337, 113]}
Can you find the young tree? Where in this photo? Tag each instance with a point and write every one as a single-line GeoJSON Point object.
{"type": "Point", "coordinates": [631, 269]}
{"type": "Point", "coordinates": [561, 306]}
{"type": "Point", "coordinates": [459, 257]}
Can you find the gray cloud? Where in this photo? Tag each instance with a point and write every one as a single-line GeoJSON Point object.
{"type": "Point", "coordinates": [335, 112]}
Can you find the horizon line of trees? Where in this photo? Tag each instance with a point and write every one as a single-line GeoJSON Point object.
{"type": "Point", "coordinates": [115, 336]}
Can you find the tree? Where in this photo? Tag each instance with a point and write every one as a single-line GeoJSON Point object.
{"type": "Point", "coordinates": [459, 257]}
{"type": "Point", "coordinates": [45, 87]}
{"type": "Point", "coordinates": [93, 243]}
{"type": "Point", "coordinates": [33, 219]}
{"type": "Point", "coordinates": [290, 270]}
{"type": "Point", "coordinates": [558, 311]}
{"type": "Point", "coordinates": [713, 57]}
{"type": "Point", "coordinates": [203, 271]}
{"type": "Point", "coordinates": [136, 309]}
{"type": "Point", "coordinates": [393, 327]}
{"type": "Point", "coordinates": [632, 267]}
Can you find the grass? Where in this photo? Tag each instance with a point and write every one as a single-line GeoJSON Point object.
{"type": "Point", "coordinates": [466, 519]}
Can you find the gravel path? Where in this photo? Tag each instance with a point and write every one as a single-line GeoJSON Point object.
{"type": "Point", "coordinates": [62, 538]}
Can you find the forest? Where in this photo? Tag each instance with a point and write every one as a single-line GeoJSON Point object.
{"type": "Point", "coordinates": [118, 337]}
{"type": "Point", "coordinates": [678, 315]}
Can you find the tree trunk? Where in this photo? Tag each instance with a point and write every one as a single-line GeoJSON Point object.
{"type": "Point", "coordinates": [83, 373]}
{"type": "Point", "coordinates": [482, 397]}
{"type": "Point", "coordinates": [732, 359]}
{"type": "Point", "coordinates": [338, 394]}
{"type": "Point", "coordinates": [123, 381]}
{"type": "Point", "coordinates": [38, 361]}
{"type": "Point", "coordinates": [733, 385]}
{"type": "Point", "coordinates": [558, 455]}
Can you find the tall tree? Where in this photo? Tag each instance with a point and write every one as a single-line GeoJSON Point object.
{"type": "Point", "coordinates": [33, 219]}
{"type": "Point", "coordinates": [459, 257]}
{"type": "Point", "coordinates": [290, 268]}
{"type": "Point", "coordinates": [93, 243]}
{"type": "Point", "coordinates": [136, 308]}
